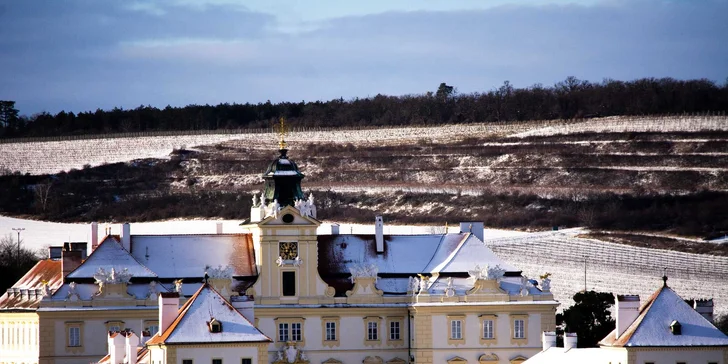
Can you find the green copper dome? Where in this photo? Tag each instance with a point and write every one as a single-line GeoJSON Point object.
{"type": "Point", "coordinates": [283, 181]}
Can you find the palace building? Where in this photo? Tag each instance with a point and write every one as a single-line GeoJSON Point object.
{"type": "Point", "coordinates": [275, 291]}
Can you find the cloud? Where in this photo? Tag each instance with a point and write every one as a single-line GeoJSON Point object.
{"type": "Point", "coordinates": [87, 54]}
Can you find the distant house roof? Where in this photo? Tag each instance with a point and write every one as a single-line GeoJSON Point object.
{"type": "Point", "coordinates": [110, 254]}
{"type": "Point", "coordinates": [26, 293]}
{"type": "Point", "coordinates": [191, 324]}
{"type": "Point", "coordinates": [188, 256]}
{"type": "Point", "coordinates": [652, 325]}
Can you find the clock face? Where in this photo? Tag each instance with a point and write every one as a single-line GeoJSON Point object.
{"type": "Point", "coordinates": [288, 250]}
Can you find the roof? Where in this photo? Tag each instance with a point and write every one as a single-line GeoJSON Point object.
{"type": "Point", "coordinates": [110, 254]}
{"type": "Point", "coordinates": [652, 325]}
{"type": "Point", "coordinates": [188, 256]}
{"type": "Point", "coordinates": [577, 356]}
{"type": "Point", "coordinates": [405, 254]}
{"type": "Point", "coordinates": [27, 292]}
{"type": "Point", "coordinates": [190, 325]}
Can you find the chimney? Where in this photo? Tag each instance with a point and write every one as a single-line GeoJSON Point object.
{"type": "Point", "coordinates": [218, 228]}
{"type": "Point", "coordinates": [126, 236]}
{"type": "Point", "coordinates": [335, 229]}
{"type": "Point", "coordinates": [474, 227]}
{"type": "Point", "coordinates": [628, 308]}
{"type": "Point", "coordinates": [94, 235]}
{"type": "Point", "coordinates": [168, 307]}
{"type": "Point", "coordinates": [379, 234]}
{"type": "Point", "coordinates": [70, 260]}
{"type": "Point", "coordinates": [131, 347]}
{"type": "Point", "coordinates": [245, 305]}
{"type": "Point", "coordinates": [116, 348]}
{"type": "Point", "coordinates": [570, 340]}
{"type": "Point", "coordinates": [548, 339]}
{"type": "Point", "coordinates": [55, 252]}
{"type": "Point", "coordinates": [704, 308]}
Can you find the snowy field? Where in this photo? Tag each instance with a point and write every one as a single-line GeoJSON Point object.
{"type": "Point", "coordinates": [610, 267]}
{"type": "Point", "coordinates": [57, 156]}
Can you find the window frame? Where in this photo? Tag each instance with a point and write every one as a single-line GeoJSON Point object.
{"type": "Point", "coordinates": [376, 322]}
{"type": "Point", "coordinates": [391, 321]}
{"type": "Point", "coordinates": [212, 361]}
{"type": "Point", "coordinates": [114, 323]}
{"type": "Point", "coordinates": [188, 361]}
{"type": "Point", "coordinates": [79, 325]}
{"type": "Point", "coordinates": [452, 319]}
{"type": "Point", "coordinates": [336, 321]}
{"type": "Point", "coordinates": [242, 360]}
{"type": "Point", "coordinates": [515, 340]}
{"type": "Point", "coordinates": [289, 322]}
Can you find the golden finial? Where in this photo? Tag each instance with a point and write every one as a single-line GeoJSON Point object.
{"type": "Point", "coordinates": [282, 129]}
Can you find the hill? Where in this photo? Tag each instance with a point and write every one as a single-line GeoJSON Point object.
{"type": "Point", "coordinates": [660, 174]}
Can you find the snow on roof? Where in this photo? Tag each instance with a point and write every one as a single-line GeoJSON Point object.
{"type": "Point", "coordinates": [404, 254]}
{"type": "Point", "coordinates": [465, 256]}
{"type": "Point", "coordinates": [26, 292]}
{"type": "Point", "coordinates": [577, 356]}
{"type": "Point", "coordinates": [191, 325]}
{"type": "Point", "coordinates": [110, 254]}
{"type": "Point", "coordinates": [188, 256]}
{"type": "Point", "coordinates": [652, 325]}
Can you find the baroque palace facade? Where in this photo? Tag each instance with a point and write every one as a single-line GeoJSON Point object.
{"type": "Point", "coordinates": [315, 298]}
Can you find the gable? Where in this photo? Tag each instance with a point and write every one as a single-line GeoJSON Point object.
{"type": "Point", "coordinates": [110, 254]}
{"type": "Point", "coordinates": [298, 219]}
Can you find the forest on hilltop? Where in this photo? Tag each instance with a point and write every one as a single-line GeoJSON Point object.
{"type": "Point", "coordinates": [568, 99]}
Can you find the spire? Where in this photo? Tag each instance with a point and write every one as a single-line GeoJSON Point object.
{"type": "Point", "coordinates": [282, 130]}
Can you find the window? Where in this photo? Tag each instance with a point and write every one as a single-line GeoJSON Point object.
{"type": "Point", "coordinates": [394, 330]}
{"type": "Point", "coordinates": [186, 361]}
{"type": "Point", "coordinates": [215, 326]}
{"type": "Point", "coordinates": [456, 330]}
{"type": "Point", "coordinates": [519, 332]}
{"type": "Point", "coordinates": [371, 330]}
{"type": "Point", "coordinates": [246, 361]}
{"type": "Point", "coordinates": [74, 336]}
{"type": "Point", "coordinates": [114, 326]}
{"type": "Point", "coordinates": [216, 361]}
{"type": "Point", "coordinates": [283, 332]}
{"type": "Point", "coordinates": [330, 331]}
{"type": "Point", "coordinates": [519, 329]}
{"type": "Point", "coordinates": [290, 329]}
{"type": "Point", "coordinates": [152, 326]}
{"type": "Point", "coordinates": [372, 333]}
{"type": "Point", "coordinates": [289, 283]}
{"type": "Point", "coordinates": [295, 331]}
{"type": "Point", "coordinates": [487, 329]}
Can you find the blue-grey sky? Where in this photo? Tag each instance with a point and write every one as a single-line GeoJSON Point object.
{"type": "Point", "coordinates": [78, 55]}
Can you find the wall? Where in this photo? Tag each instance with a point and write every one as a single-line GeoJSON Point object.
{"type": "Point", "coordinates": [19, 338]}
{"type": "Point", "coordinates": [674, 355]}
{"type": "Point", "coordinates": [203, 354]}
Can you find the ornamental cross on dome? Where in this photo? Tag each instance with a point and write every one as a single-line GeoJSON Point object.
{"type": "Point", "coordinates": [282, 130]}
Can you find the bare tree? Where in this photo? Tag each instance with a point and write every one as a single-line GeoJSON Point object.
{"type": "Point", "coordinates": [42, 192]}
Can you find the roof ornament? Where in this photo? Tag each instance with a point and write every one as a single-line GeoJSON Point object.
{"type": "Point", "coordinates": [363, 271]}
{"type": "Point", "coordinates": [487, 273]}
{"type": "Point", "coordinates": [664, 277]}
{"type": "Point", "coordinates": [178, 286]}
{"type": "Point", "coordinates": [282, 130]}
{"type": "Point", "coordinates": [450, 289]}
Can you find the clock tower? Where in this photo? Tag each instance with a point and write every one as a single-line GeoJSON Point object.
{"type": "Point", "coordinates": [283, 227]}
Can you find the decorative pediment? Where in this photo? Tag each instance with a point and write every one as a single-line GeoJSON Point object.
{"type": "Point", "coordinates": [486, 286]}
{"type": "Point", "coordinates": [291, 354]}
{"type": "Point", "coordinates": [396, 361]}
{"type": "Point", "coordinates": [456, 360]}
{"type": "Point", "coordinates": [518, 359]}
{"type": "Point", "coordinates": [289, 215]}
{"type": "Point", "coordinates": [491, 358]}
{"type": "Point", "coordinates": [364, 278]}
{"type": "Point", "coordinates": [332, 361]}
{"type": "Point", "coordinates": [372, 360]}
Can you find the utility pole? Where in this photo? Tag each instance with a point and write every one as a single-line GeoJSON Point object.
{"type": "Point", "coordinates": [18, 256]}
{"type": "Point", "coordinates": [584, 274]}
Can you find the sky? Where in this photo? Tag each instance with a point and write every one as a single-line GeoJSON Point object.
{"type": "Point", "coordinates": [80, 55]}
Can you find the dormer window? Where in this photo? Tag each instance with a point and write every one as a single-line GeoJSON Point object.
{"type": "Point", "coordinates": [676, 327]}
{"type": "Point", "coordinates": [215, 326]}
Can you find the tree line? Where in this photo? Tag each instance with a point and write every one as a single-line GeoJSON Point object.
{"type": "Point", "coordinates": [568, 99]}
